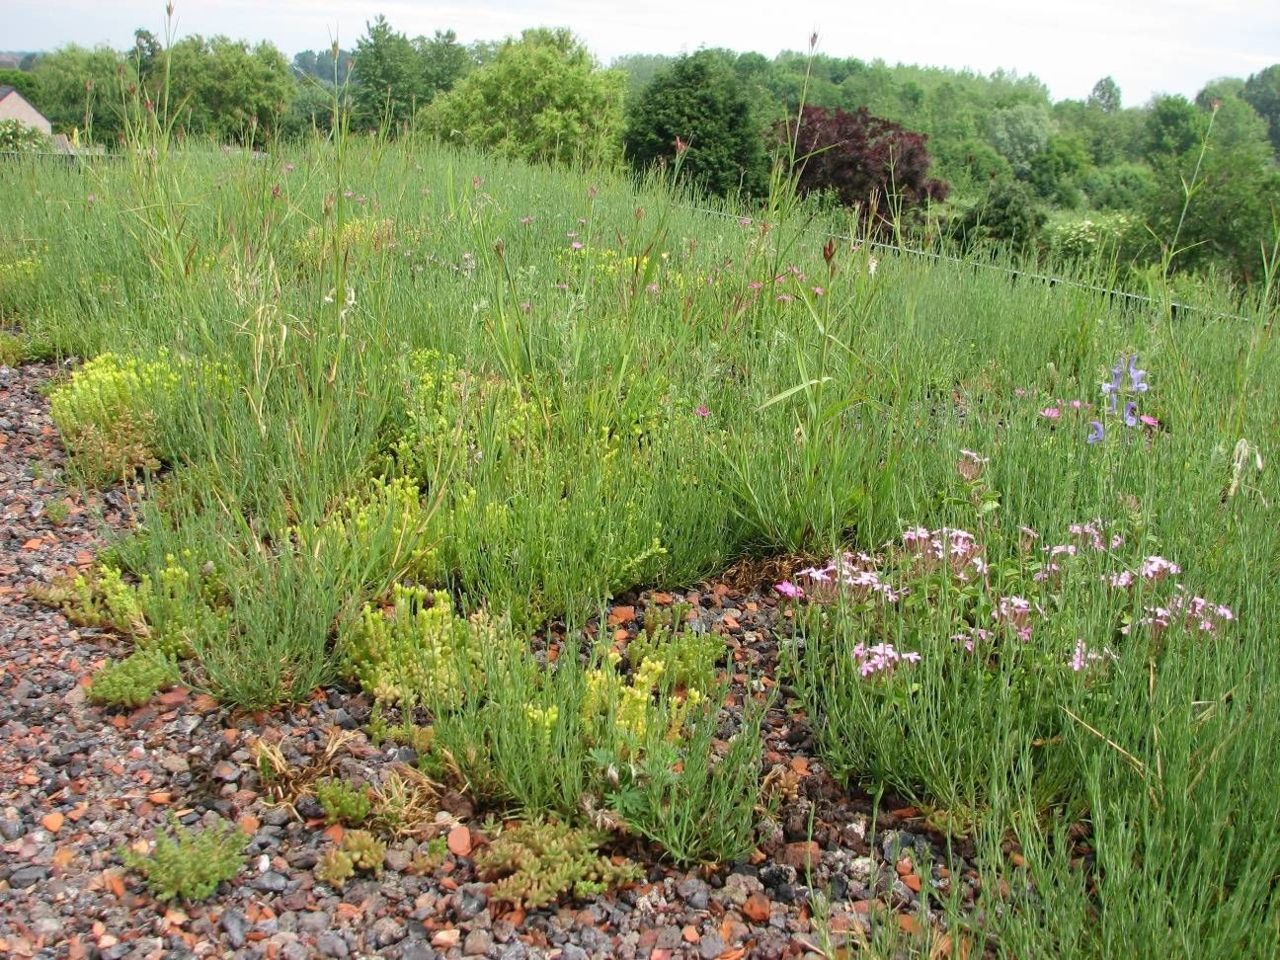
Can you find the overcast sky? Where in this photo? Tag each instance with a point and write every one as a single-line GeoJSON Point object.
{"type": "Point", "coordinates": [1148, 46]}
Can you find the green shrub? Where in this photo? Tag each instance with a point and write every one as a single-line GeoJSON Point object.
{"type": "Point", "coordinates": [536, 863]}
{"type": "Point", "coordinates": [135, 680]}
{"type": "Point", "coordinates": [382, 534]}
{"type": "Point", "coordinates": [18, 137]}
{"type": "Point", "coordinates": [189, 864]}
{"type": "Point", "coordinates": [359, 850]}
{"type": "Point", "coordinates": [11, 350]}
{"type": "Point", "coordinates": [182, 604]}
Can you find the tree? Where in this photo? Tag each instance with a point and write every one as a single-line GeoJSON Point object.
{"type": "Point", "coordinates": [1008, 215]}
{"type": "Point", "coordinates": [640, 69]}
{"type": "Point", "coordinates": [1055, 170]}
{"type": "Point", "coordinates": [1227, 214]}
{"type": "Point", "coordinates": [1173, 127]}
{"type": "Point", "coordinates": [25, 83]}
{"type": "Point", "coordinates": [146, 53]}
{"type": "Point", "coordinates": [322, 66]}
{"type": "Point", "coordinates": [1019, 132]}
{"type": "Point", "coordinates": [865, 161]}
{"type": "Point", "coordinates": [388, 78]}
{"type": "Point", "coordinates": [228, 89]}
{"type": "Point", "coordinates": [84, 90]}
{"type": "Point", "coordinates": [697, 107]}
{"type": "Point", "coordinates": [1262, 92]}
{"type": "Point", "coordinates": [1105, 95]}
{"type": "Point", "coordinates": [542, 98]}
{"type": "Point", "coordinates": [442, 62]}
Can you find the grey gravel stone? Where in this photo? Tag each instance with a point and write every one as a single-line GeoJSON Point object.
{"type": "Point", "coordinates": [233, 926]}
{"type": "Point", "coordinates": [694, 892]}
{"type": "Point", "coordinates": [470, 899]}
{"type": "Point", "coordinates": [25, 877]}
{"type": "Point", "coordinates": [478, 942]}
{"type": "Point", "coordinates": [271, 882]}
{"type": "Point", "coordinates": [332, 945]}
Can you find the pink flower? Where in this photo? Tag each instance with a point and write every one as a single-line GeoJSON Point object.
{"type": "Point", "coordinates": [1148, 421]}
{"type": "Point", "coordinates": [702, 411]}
{"type": "Point", "coordinates": [789, 590]}
{"type": "Point", "coordinates": [1120, 580]}
{"type": "Point", "coordinates": [576, 245]}
{"type": "Point", "coordinates": [1083, 656]}
{"type": "Point", "coordinates": [1157, 568]}
{"type": "Point", "coordinates": [881, 658]}
{"type": "Point", "coordinates": [1051, 413]}
{"type": "Point", "coordinates": [818, 291]}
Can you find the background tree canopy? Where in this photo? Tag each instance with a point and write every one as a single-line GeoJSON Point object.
{"type": "Point", "coordinates": [699, 101]}
{"type": "Point", "coordinates": [543, 97]}
{"type": "Point", "coordinates": [1015, 161]}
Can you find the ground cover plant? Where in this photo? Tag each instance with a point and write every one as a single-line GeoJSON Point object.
{"type": "Point", "coordinates": [408, 419]}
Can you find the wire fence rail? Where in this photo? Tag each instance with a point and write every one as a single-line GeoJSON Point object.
{"type": "Point", "coordinates": [1015, 273]}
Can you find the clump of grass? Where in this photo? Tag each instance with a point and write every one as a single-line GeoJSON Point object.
{"type": "Point", "coordinates": [11, 349]}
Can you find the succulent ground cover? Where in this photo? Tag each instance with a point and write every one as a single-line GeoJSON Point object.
{"type": "Point", "coordinates": [517, 561]}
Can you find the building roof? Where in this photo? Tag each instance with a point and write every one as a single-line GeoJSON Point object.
{"type": "Point", "coordinates": [5, 91]}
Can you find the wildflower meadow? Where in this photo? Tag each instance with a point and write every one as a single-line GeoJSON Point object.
{"type": "Point", "coordinates": [411, 424]}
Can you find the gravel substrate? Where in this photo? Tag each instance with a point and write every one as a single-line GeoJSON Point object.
{"type": "Point", "coordinates": [78, 782]}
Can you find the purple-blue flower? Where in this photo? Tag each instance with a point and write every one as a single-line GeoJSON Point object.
{"type": "Point", "coordinates": [1096, 433]}
{"type": "Point", "coordinates": [1117, 373]}
{"type": "Point", "coordinates": [1137, 378]}
{"type": "Point", "coordinates": [1130, 414]}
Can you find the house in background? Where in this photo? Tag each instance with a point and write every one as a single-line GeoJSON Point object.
{"type": "Point", "coordinates": [14, 106]}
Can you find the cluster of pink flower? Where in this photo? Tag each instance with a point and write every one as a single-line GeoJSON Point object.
{"type": "Point", "coordinates": [1091, 535]}
{"type": "Point", "coordinates": [1054, 412]}
{"type": "Point", "coordinates": [1152, 570]}
{"type": "Point", "coordinates": [1015, 613]}
{"type": "Point", "coordinates": [880, 658]}
{"type": "Point", "coordinates": [850, 574]}
{"type": "Point", "coordinates": [972, 637]}
{"type": "Point", "coordinates": [945, 547]}
{"type": "Point", "coordinates": [1194, 613]}
{"type": "Point", "coordinates": [1094, 534]}
{"type": "Point", "coordinates": [1083, 656]}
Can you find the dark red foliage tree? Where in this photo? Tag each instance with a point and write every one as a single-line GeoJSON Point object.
{"type": "Point", "coordinates": [865, 161]}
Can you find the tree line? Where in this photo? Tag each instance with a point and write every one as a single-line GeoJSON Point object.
{"type": "Point", "coordinates": [989, 158]}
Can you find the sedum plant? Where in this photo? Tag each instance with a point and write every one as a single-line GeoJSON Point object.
{"type": "Point", "coordinates": [133, 681]}
{"type": "Point", "coordinates": [343, 802]}
{"type": "Point", "coordinates": [189, 864]}
{"type": "Point", "coordinates": [108, 413]}
{"type": "Point", "coordinates": [419, 651]}
{"type": "Point", "coordinates": [536, 863]}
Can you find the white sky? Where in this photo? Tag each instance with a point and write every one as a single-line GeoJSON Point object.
{"type": "Point", "coordinates": [1148, 46]}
